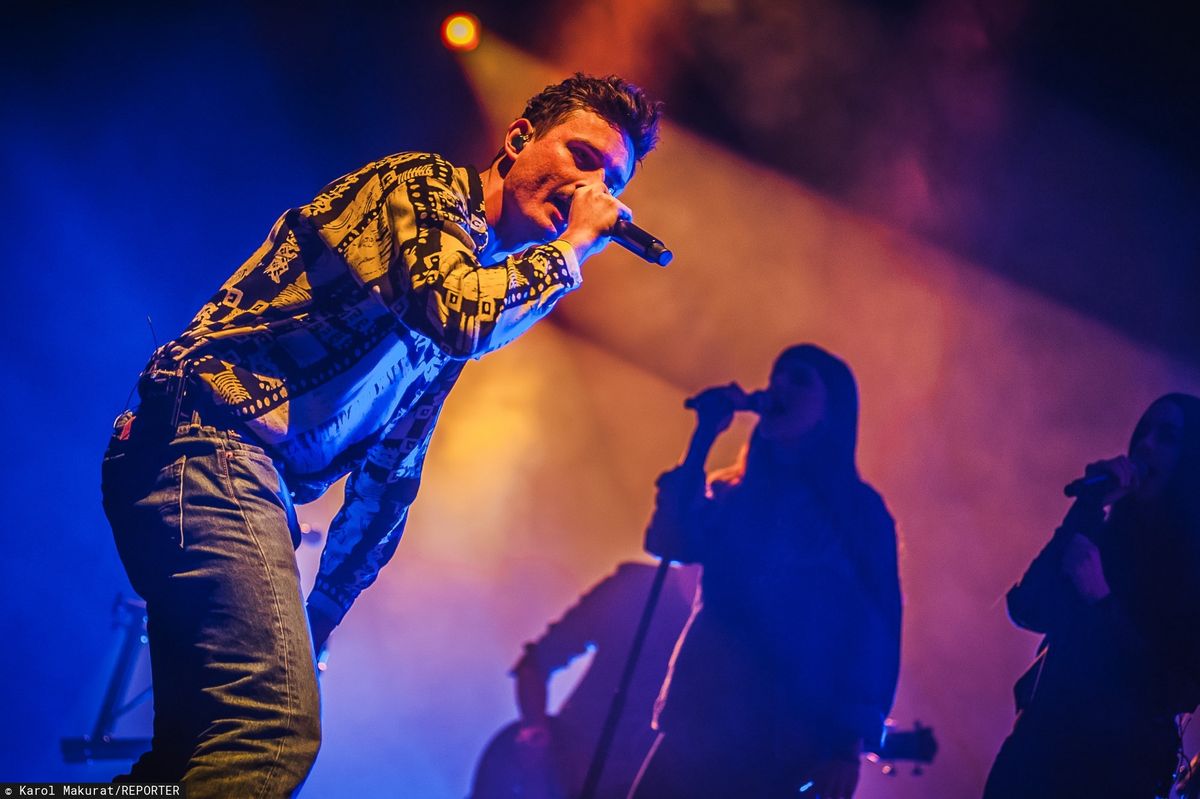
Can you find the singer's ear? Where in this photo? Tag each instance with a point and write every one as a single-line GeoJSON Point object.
{"type": "Point", "coordinates": [518, 135]}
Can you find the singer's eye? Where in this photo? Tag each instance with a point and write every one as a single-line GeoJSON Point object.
{"type": "Point", "coordinates": [585, 159]}
{"type": "Point", "coordinates": [590, 158]}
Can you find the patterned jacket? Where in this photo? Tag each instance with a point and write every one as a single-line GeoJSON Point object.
{"type": "Point", "coordinates": [335, 344]}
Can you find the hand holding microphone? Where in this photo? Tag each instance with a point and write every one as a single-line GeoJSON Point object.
{"type": "Point", "coordinates": [1108, 481]}
{"type": "Point", "coordinates": [600, 216]}
{"type": "Point", "coordinates": [1103, 483]}
{"type": "Point", "coordinates": [716, 405]}
{"type": "Point", "coordinates": [593, 214]}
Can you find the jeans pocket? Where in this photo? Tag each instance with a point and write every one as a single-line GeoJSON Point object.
{"type": "Point", "coordinates": [142, 499]}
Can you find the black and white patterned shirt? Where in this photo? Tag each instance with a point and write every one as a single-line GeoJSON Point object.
{"type": "Point", "coordinates": [336, 342]}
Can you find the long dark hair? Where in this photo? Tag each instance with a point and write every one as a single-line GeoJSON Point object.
{"type": "Point", "coordinates": [826, 457]}
{"type": "Point", "coordinates": [1152, 550]}
{"type": "Point", "coordinates": [824, 460]}
{"type": "Point", "coordinates": [1176, 515]}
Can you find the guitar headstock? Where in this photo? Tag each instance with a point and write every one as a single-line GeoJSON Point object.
{"type": "Point", "coordinates": [916, 745]}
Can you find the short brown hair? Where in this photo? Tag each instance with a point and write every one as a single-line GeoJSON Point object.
{"type": "Point", "coordinates": [615, 100]}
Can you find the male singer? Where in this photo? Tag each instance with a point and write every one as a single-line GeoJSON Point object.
{"type": "Point", "coordinates": [329, 352]}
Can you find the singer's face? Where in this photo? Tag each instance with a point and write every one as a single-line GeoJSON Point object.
{"type": "Point", "coordinates": [1159, 448]}
{"type": "Point", "coordinates": [795, 403]}
{"type": "Point", "coordinates": [582, 148]}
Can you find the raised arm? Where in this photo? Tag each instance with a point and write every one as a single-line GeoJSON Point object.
{"type": "Point", "coordinates": [678, 527]}
{"type": "Point", "coordinates": [1044, 598]}
{"type": "Point", "coordinates": [410, 228]}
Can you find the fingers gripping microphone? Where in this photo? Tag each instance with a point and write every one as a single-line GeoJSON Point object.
{"type": "Point", "coordinates": [1100, 483]}
{"type": "Point", "coordinates": [640, 243]}
{"type": "Point", "coordinates": [756, 402]}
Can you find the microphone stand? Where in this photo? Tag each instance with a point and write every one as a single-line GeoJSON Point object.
{"type": "Point", "coordinates": [696, 454]}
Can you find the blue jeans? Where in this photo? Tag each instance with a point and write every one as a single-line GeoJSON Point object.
{"type": "Point", "coordinates": [206, 531]}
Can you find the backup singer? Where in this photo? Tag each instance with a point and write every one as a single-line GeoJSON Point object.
{"type": "Point", "coordinates": [789, 663]}
{"type": "Point", "coordinates": [330, 352]}
{"type": "Point", "coordinates": [1115, 597]}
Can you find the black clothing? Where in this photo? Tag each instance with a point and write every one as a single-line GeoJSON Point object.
{"type": "Point", "coordinates": [1095, 711]}
{"type": "Point", "coordinates": [792, 653]}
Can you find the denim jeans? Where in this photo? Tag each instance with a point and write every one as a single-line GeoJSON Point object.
{"type": "Point", "coordinates": [205, 528]}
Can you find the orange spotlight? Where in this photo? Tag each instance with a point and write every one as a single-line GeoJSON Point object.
{"type": "Point", "coordinates": [461, 32]}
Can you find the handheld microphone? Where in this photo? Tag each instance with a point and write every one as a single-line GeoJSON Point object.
{"type": "Point", "coordinates": [1100, 483]}
{"type": "Point", "coordinates": [640, 243]}
{"type": "Point", "coordinates": [756, 402]}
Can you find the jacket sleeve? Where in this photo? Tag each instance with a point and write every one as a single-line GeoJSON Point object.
{"type": "Point", "coordinates": [404, 228]}
{"type": "Point", "coordinates": [683, 517]}
{"type": "Point", "coordinates": [366, 530]}
{"type": "Point", "coordinates": [1044, 598]}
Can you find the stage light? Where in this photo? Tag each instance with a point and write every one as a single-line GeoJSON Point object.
{"type": "Point", "coordinates": [460, 32]}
